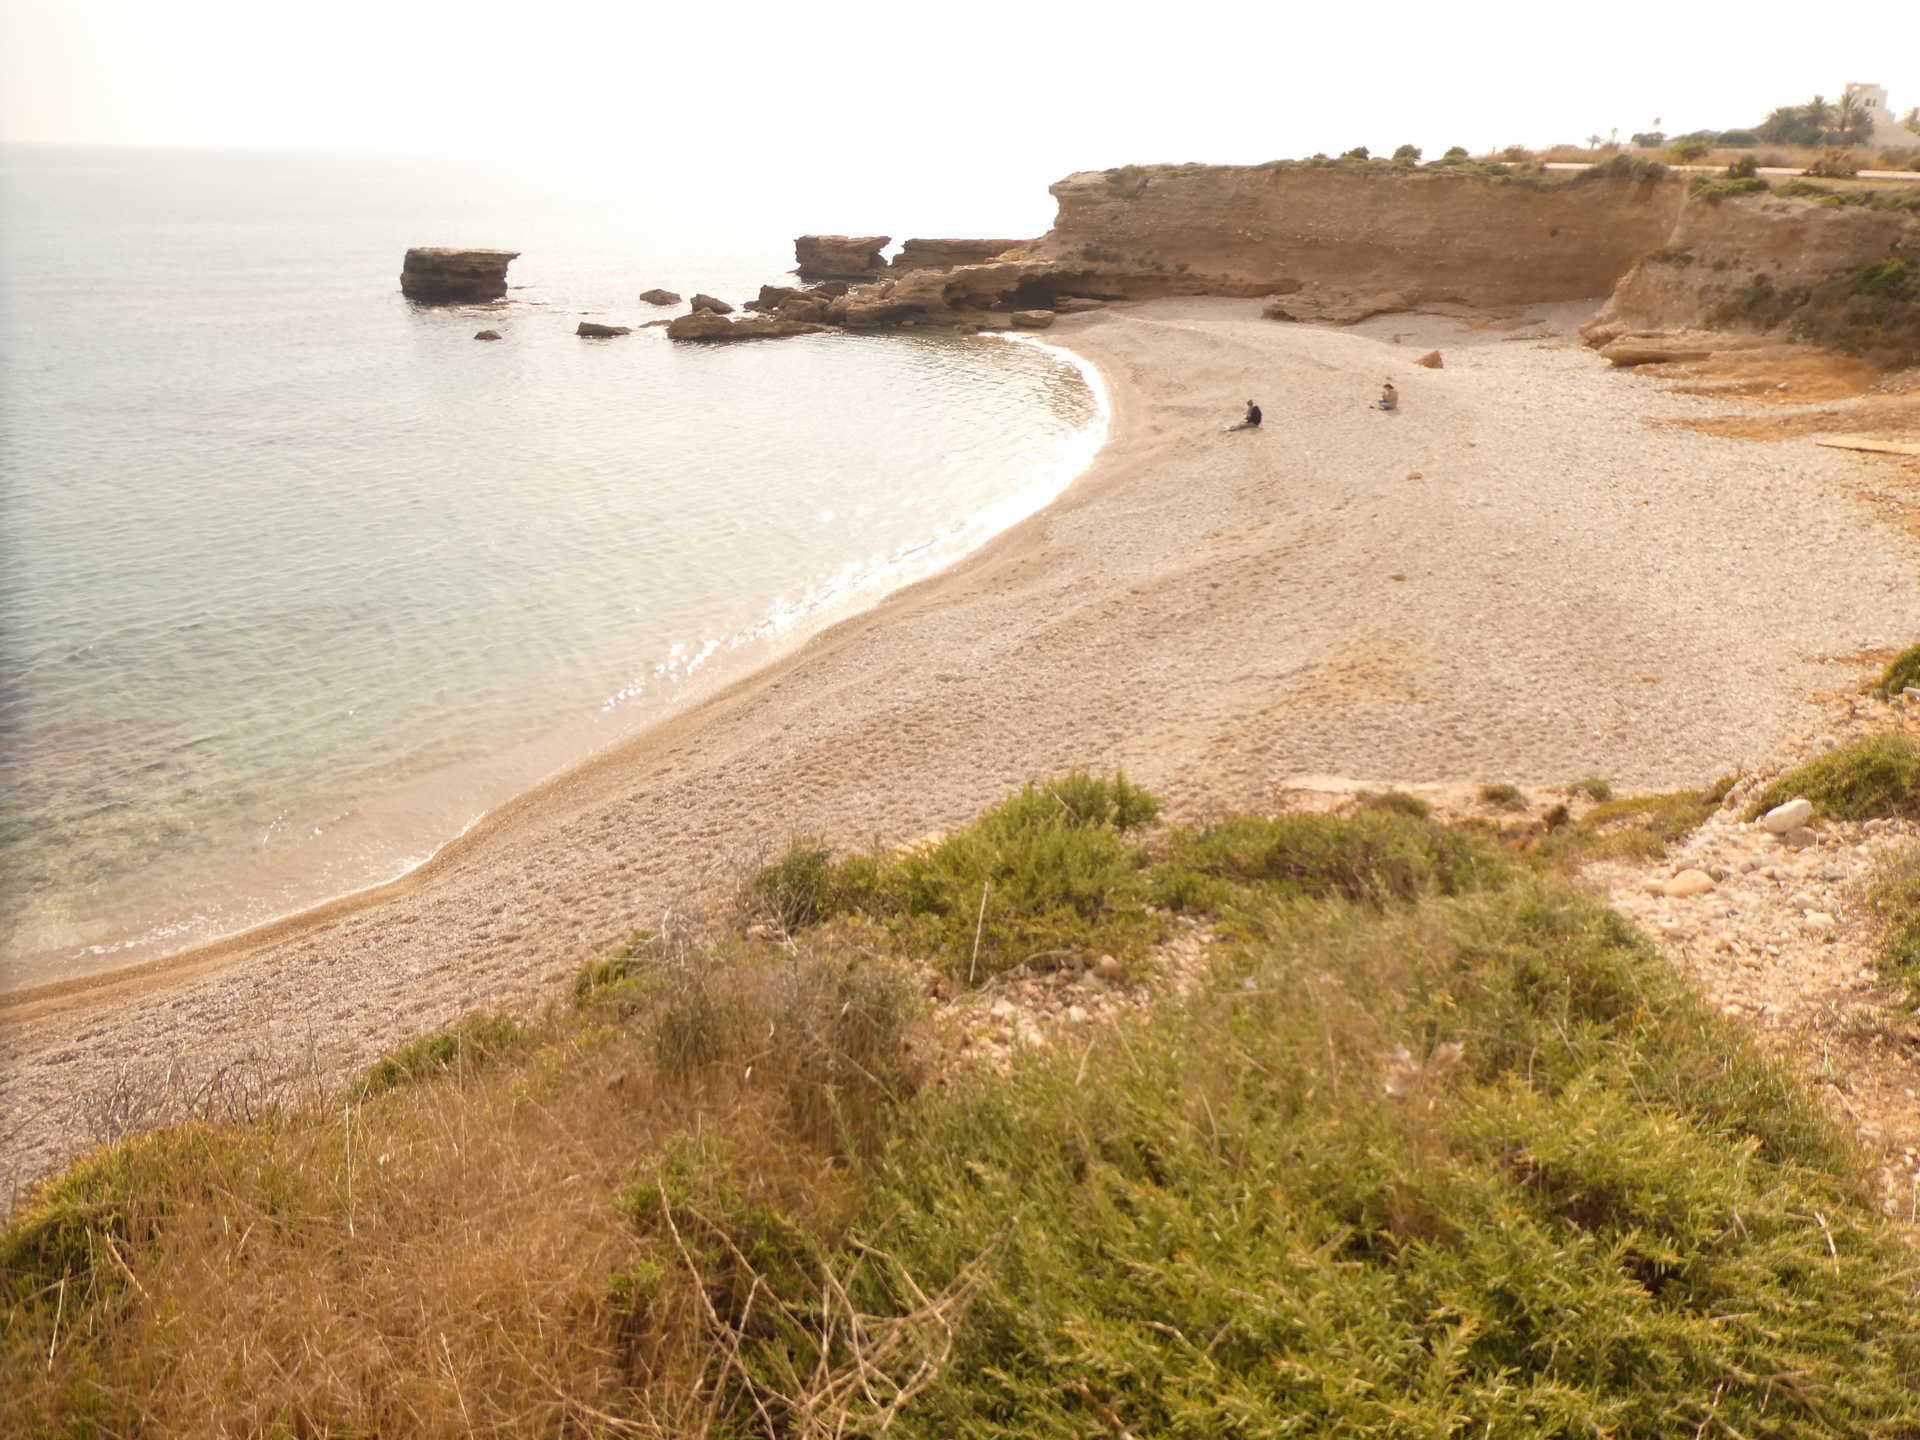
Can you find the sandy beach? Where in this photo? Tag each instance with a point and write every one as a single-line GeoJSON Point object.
{"type": "Point", "coordinates": [1522, 576]}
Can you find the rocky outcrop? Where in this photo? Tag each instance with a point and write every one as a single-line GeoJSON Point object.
{"type": "Point", "coordinates": [594, 331]}
{"type": "Point", "coordinates": [839, 257]}
{"type": "Point", "coordinates": [660, 297]}
{"type": "Point", "coordinates": [706, 325]}
{"type": "Point", "coordinates": [432, 275]}
{"type": "Point", "coordinates": [1752, 262]}
{"type": "Point", "coordinates": [488, 335]}
{"type": "Point", "coordinates": [1031, 319]}
{"type": "Point", "coordinates": [945, 254]}
{"type": "Point", "coordinates": [708, 302]}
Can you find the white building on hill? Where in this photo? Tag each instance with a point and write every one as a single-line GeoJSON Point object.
{"type": "Point", "coordinates": [1887, 129]}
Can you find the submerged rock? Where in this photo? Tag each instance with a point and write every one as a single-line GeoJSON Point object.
{"type": "Point", "coordinates": [706, 325]}
{"type": "Point", "coordinates": [434, 275]}
{"type": "Point", "coordinates": [601, 332]}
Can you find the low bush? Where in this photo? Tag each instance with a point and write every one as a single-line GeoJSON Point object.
{"type": "Point", "coordinates": [1874, 776]}
{"type": "Point", "coordinates": [1503, 796]}
{"type": "Point", "coordinates": [1047, 872]}
{"type": "Point", "coordinates": [1705, 188]}
{"type": "Point", "coordinates": [1622, 167]}
{"type": "Point", "coordinates": [1396, 802]}
{"type": "Point", "coordinates": [1835, 163]}
{"type": "Point", "coordinates": [1374, 858]}
{"type": "Point", "coordinates": [1902, 671]}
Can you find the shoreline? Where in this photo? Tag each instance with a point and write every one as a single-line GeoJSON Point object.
{"type": "Point", "coordinates": [1468, 588]}
{"type": "Point", "coordinates": [200, 955]}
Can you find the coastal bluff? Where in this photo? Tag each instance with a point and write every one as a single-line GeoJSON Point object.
{"type": "Point", "coordinates": [437, 275]}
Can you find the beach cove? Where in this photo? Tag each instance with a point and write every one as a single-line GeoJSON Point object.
{"type": "Point", "coordinates": [1525, 576]}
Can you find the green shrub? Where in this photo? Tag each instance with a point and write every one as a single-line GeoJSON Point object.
{"type": "Point", "coordinates": [1874, 776]}
{"type": "Point", "coordinates": [795, 891]}
{"type": "Point", "coordinates": [477, 1040]}
{"type": "Point", "coordinates": [1503, 796]}
{"type": "Point", "coordinates": [1593, 787]}
{"type": "Point", "coordinates": [1904, 670]}
{"type": "Point", "coordinates": [1835, 163]}
{"type": "Point", "coordinates": [1359, 152]}
{"type": "Point", "coordinates": [1455, 153]}
{"type": "Point", "coordinates": [1408, 153]}
{"type": "Point", "coordinates": [1621, 167]}
{"type": "Point", "coordinates": [1687, 150]}
{"type": "Point", "coordinates": [597, 977]}
{"type": "Point", "coordinates": [1482, 1165]}
{"type": "Point", "coordinates": [1743, 168]}
{"type": "Point", "coordinates": [1639, 827]}
{"type": "Point", "coordinates": [1374, 858]}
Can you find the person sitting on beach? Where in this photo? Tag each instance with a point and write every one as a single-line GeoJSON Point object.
{"type": "Point", "coordinates": [1389, 397]}
{"type": "Point", "coordinates": [1252, 421]}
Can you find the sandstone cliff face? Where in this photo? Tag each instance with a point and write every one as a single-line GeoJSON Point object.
{"type": "Point", "coordinates": [1723, 260]}
{"type": "Point", "coordinates": [1337, 237]}
{"type": "Point", "coordinates": [435, 275]}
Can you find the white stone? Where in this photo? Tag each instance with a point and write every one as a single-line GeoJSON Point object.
{"type": "Point", "coordinates": [1790, 816]}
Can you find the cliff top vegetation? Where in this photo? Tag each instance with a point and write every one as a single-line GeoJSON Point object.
{"type": "Point", "coordinates": [1417, 1140]}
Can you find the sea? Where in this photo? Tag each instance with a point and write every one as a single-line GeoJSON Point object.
{"type": "Point", "coordinates": [300, 580]}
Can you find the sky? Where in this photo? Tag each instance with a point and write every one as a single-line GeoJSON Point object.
{"type": "Point", "coordinates": [967, 111]}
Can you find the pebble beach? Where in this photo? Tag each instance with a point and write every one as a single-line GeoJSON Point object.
{"type": "Point", "coordinates": [1529, 574]}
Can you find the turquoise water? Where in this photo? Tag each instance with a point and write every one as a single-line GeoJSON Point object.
{"type": "Point", "coordinates": [300, 579]}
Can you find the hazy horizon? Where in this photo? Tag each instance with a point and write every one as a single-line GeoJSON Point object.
{"type": "Point", "coordinates": [959, 122]}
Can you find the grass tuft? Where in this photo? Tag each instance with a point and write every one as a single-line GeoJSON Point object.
{"type": "Point", "coordinates": [475, 1041]}
{"type": "Point", "coordinates": [1503, 796]}
{"type": "Point", "coordinates": [1878, 775]}
{"type": "Point", "coordinates": [1894, 894]}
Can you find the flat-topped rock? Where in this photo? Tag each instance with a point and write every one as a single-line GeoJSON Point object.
{"type": "Point", "coordinates": [945, 254]}
{"type": "Point", "coordinates": [839, 257]}
{"type": "Point", "coordinates": [435, 275]}
{"type": "Point", "coordinates": [593, 330]}
{"type": "Point", "coordinates": [660, 297]}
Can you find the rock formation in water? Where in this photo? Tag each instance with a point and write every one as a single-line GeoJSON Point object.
{"type": "Point", "coordinates": [595, 331]}
{"type": "Point", "coordinates": [709, 302]}
{"type": "Point", "coordinates": [706, 325]}
{"type": "Point", "coordinates": [660, 297]}
{"type": "Point", "coordinates": [945, 254]}
{"type": "Point", "coordinates": [839, 257]}
{"type": "Point", "coordinates": [433, 275]}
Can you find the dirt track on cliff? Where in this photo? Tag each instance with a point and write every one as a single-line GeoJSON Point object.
{"type": "Point", "coordinates": [1522, 576]}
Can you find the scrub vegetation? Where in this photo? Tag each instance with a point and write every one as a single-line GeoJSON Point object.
{"type": "Point", "coordinates": [1429, 1144]}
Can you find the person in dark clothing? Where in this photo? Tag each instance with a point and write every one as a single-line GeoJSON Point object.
{"type": "Point", "coordinates": [1252, 421]}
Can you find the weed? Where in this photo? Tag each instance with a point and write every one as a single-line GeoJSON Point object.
{"type": "Point", "coordinates": [1503, 797]}
{"type": "Point", "coordinates": [1396, 802]}
{"type": "Point", "coordinates": [1894, 894]}
{"type": "Point", "coordinates": [1872, 776]}
{"type": "Point", "coordinates": [1639, 827]}
{"type": "Point", "coordinates": [1901, 672]}
{"type": "Point", "coordinates": [474, 1041]}
{"type": "Point", "coordinates": [1593, 787]}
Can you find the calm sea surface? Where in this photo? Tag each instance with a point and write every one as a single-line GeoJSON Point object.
{"type": "Point", "coordinates": [299, 579]}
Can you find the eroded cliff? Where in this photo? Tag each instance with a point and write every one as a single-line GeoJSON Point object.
{"type": "Point", "coordinates": [1338, 239]}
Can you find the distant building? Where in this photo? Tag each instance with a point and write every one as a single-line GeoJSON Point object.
{"type": "Point", "coordinates": [1887, 129]}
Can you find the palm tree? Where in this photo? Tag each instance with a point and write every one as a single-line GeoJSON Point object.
{"type": "Point", "coordinates": [1818, 113]}
{"type": "Point", "coordinates": [1852, 122]}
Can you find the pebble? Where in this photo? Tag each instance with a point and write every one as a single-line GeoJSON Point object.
{"type": "Point", "coordinates": [1688, 883]}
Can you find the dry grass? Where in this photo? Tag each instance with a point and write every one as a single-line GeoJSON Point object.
{"type": "Point", "coordinates": [436, 1260]}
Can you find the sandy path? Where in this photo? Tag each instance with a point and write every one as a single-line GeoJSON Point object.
{"type": "Point", "coordinates": [1566, 590]}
